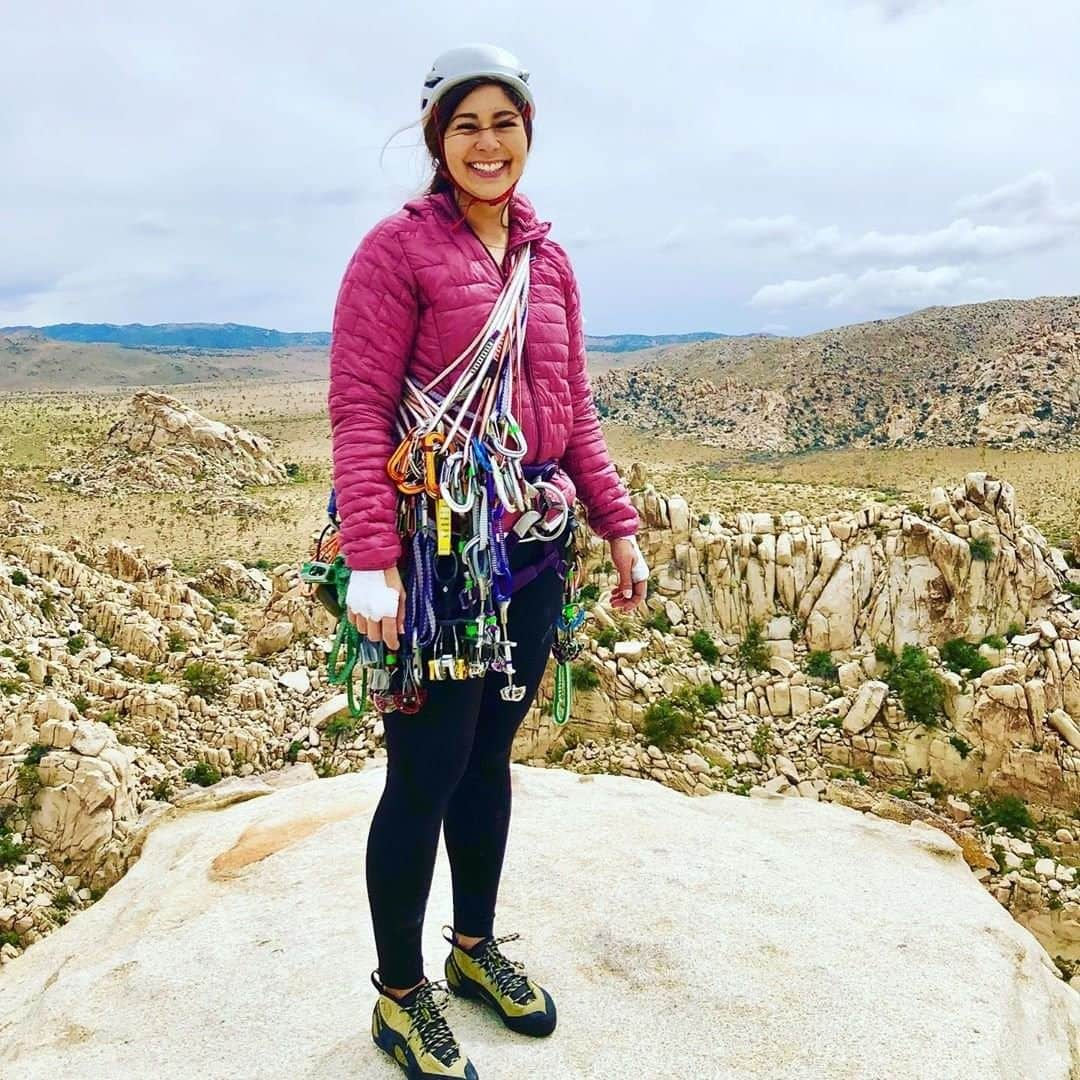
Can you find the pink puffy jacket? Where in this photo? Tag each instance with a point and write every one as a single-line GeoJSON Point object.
{"type": "Point", "coordinates": [416, 292]}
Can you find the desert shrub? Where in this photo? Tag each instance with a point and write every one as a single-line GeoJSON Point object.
{"type": "Point", "coordinates": [22, 666]}
{"type": "Point", "coordinates": [76, 643]}
{"type": "Point", "coordinates": [18, 577]}
{"type": "Point", "coordinates": [47, 606]}
{"type": "Point", "coordinates": [1007, 811]}
{"type": "Point", "coordinates": [11, 854]}
{"type": "Point", "coordinates": [752, 650]}
{"type": "Point", "coordinates": [762, 742]}
{"type": "Point", "coordinates": [995, 641]}
{"type": "Point", "coordinates": [659, 620]}
{"type": "Point", "coordinates": [36, 753]}
{"type": "Point", "coordinates": [666, 724]}
{"type": "Point", "coordinates": [917, 684]}
{"type": "Point", "coordinates": [709, 696]}
{"type": "Point", "coordinates": [108, 717]}
{"type": "Point", "coordinates": [202, 773]}
{"type": "Point", "coordinates": [154, 676]}
{"type": "Point", "coordinates": [960, 745]}
{"type": "Point", "coordinates": [65, 898]}
{"type": "Point", "coordinates": [589, 594]}
{"type": "Point", "coordinates": [162, 790]}
{"type": "Point", "coordinates": [819, 665]}
{"type": "Point", "coordinates": [704, 646]}
{"type": "Point", "coordinates": [81, 702]}
{"type": "Point", "coordinates": [584, 677]}
{"type": "Point", "coordinates": [294, 751]}
{"type": "Point", "coordinates": [176, 641]}
{"type": "Point", "coordinates": [207, 679]}
{"type": "Point", "coordinates": [981, 550]}
{"type": "Point", "coordinates": [341, 725]}
{"type": "Point", "coordinates": [883, 654]}
{"type": "Point", "coordinates": [958, 655]}
{"type": "Point", "coordinates": [607, 637]}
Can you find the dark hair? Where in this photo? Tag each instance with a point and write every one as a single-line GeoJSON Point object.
{"type": "Point", "coordinates": [443, 112]}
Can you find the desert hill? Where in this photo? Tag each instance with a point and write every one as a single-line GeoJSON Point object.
{"type": "Point", "coordinates": [1006, 372]}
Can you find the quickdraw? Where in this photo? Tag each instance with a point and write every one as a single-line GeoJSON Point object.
{"type": "Point", "coordinates": [459, 470]}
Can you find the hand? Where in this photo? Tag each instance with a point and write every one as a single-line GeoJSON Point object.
{"type": "Point", "coordinates": [367, 607]}
{"type": "Point", "coordinates": [625, 554]}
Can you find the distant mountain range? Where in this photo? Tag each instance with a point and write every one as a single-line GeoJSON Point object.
{"type": "Point", "coordinates": [236, 336]}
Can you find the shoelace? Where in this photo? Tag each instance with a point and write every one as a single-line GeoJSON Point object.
{"type": "Point", "coordinates": [508, 975]}
{"type": "Point", "coordinates": [426, 1015]}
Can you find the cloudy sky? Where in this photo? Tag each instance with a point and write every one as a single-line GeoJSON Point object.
{"type": "Point", "coordinates": [784, 166]}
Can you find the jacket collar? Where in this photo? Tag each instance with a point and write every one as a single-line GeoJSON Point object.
{"type": "Point", "coordinates": [525, 226]}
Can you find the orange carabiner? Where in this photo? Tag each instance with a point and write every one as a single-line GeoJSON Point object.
{"type": "Point", "coordinates": [397, 467]}
{"type": "Point", "coordinates": [430, 443]}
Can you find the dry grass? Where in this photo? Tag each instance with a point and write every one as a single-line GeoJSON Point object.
{"type": "Point", "coordinates": [42, 430]}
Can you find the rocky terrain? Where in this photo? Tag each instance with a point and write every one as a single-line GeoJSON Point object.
{"type": "Point", "coordinates": [162, 445]}
{"type": "Point", "coordinates": [1002, 373]}
{"type": "Point", "coordinates": [917, 662]}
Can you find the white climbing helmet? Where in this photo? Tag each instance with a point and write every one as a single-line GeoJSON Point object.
{"type": "Point", "coordinates": [471, 62]}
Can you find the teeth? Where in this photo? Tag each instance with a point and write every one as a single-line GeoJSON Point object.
{"type": "Point", "coordinates": [491, 167]}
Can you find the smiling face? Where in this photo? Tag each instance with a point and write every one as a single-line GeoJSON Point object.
{"type": "Point", "coordinates": [485, 145]}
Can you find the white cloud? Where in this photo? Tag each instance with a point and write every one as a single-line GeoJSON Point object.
{"type": "Point", "coordinates": [900, 288]}
{"type": "Point", "coordinates": [1033, 198]}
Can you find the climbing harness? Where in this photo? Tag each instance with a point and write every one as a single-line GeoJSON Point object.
{"type": "Point", "coordinates": [466, 500]}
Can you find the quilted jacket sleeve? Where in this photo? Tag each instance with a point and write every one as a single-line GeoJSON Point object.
{"type": "Point", "coordinates": [375, 320]}
{"type": "Point", "coordinates": [586, 459]}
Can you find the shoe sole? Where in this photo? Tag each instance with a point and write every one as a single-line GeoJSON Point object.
{"type": "Point", "coordinates": [464, 987]}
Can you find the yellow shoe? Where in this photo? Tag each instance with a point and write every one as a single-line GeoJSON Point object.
{"type": "Point", "coordinates": [483, 973]}
{"type": "Point", "coordinates": [413, 1032]}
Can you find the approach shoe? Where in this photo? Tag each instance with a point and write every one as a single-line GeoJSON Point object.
{"type": "Point", "coordinates": [414, 1033]}
{"type": "Point", "coordinates": [483, 973]}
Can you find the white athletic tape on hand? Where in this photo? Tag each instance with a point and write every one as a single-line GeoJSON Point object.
{"type": "Point", "coordinates": [369, 596]}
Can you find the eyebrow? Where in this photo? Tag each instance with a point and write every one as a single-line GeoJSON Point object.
{"type": "Point", "coordinates": [474, 116]}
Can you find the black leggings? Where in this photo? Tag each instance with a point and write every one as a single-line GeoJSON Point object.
{"type": "Point", "coordinates": [448, 765]}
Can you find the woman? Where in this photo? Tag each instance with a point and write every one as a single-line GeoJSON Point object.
{"type": "Point", "coordinates": [417, 291]}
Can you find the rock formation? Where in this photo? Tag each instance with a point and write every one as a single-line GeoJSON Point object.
{"type": "Point", "coordinates": [740, 907]}
{"type": "Point", "coordinates": [162, 445]}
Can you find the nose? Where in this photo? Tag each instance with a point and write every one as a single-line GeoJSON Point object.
{"type": "Point", "coordinates": [486, 139]}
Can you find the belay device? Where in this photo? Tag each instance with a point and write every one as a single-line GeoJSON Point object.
{"type": "Point", "coordinates": [459, 472]}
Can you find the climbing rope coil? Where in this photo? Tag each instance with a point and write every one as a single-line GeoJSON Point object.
{"type": "Point", "coordinates": [459, 470]}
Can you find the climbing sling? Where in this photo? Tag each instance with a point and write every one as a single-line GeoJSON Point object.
{"type": "Point", "coordinates": [459, 471]}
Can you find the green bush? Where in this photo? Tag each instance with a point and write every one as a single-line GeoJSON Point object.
{"type": "Point", "coordinates": [917, 684]}
{"type": "Point", "coordinates": [81, 702]}
{"type": "Point", "coordinates": [22, 666]}
{"type": "Point", "coordinates": [75, 644]}
{"type": "Point", "coordinates": [18, 577]}
{"type": "Point", "coordinates": [162, 790]}
{"type": "Point", "coordinates": [883, 654]}
{"type": "Point", "coordinates": [176, 641]}
{"type": "Point", "coordinates": [294, 751]}
{"type": "Point", "coordinates": [704, 646]}
{"type": "Point", "coordinates": [202, 773]}
{"type": "Point", "coordinates": [666, 724]}
{"type": "Point", "coordinates": [958, 654]}
{"type": "Point", "coordinates": [709, 696]}
{"type": "Point", "coordinates": [10, 686]}
{"type": "Point", "coordinates": [819, 665]}
{"type": "Point", "coordinates": [607, 637]}
{"type": "Point", "coordinates": [11, 854]}
{"type": "Point", "coordinates": [961, 745]}
{"type": "Point", "coordinates": [589, 594]}
{"type": "Point", "coordinates": [207, 679]}
{"type": "Point", "coordinates": [762, 742]}
{"type": "Point", "coordinates": [65, 898]}
{"type": "Point", "coordinates": [36, 753]}
{"type": "Point", "coordinates": [752, 651]}
{"type": "Point", "coordinates": [981, 550]}
{"type": "Point", "coordinates": [9, 937]}
{"type": "Point", "coordinates": [1007, 811]}
{"type": "Point", "coordinates": [154, 676]}
{"type": "Point", "coordinates": [659, 621]}
{"type": "Point", "coordinates": [108, 717]}
{"type": "Point", "coordinates": [995, 641]}
{"type": "Point", "coordinates": [341, 725]}
{"type": "Point", "coordinates": [584, 677]}
{"type": "Point", "coordinates": [47, 606]}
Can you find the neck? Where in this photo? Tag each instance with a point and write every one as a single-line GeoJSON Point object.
{"type": "Point", "coordinates": [485, 220]}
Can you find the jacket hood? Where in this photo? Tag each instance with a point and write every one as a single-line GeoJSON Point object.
{"type": "Point", "coordinates": [524, 224]}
